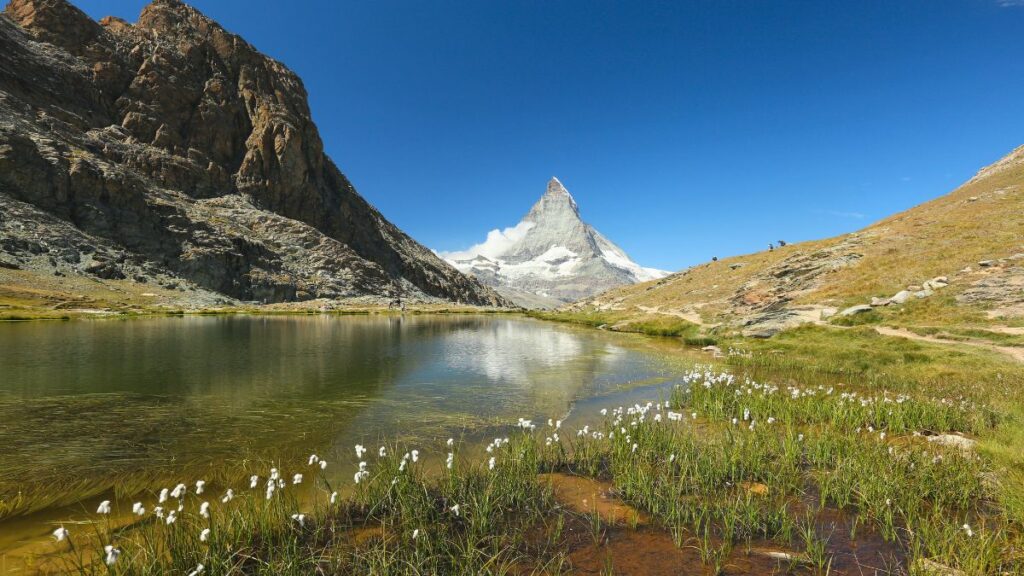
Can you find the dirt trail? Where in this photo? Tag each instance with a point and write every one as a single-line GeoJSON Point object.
{"type": "Point", "coordinates": [1011, 351]}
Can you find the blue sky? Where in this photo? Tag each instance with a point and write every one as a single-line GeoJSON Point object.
{"type": "Point", "coordinates": [683, 129]}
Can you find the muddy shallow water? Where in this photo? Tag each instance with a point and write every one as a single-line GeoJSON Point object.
{"type": "Point", "coordinates": [90, 407]}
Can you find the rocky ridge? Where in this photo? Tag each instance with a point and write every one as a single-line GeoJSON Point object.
{"type": "Point", "coordinates": [171, 151]}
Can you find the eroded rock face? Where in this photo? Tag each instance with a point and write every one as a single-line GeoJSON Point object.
{"type": "Point", "coordinates": [181, 144]}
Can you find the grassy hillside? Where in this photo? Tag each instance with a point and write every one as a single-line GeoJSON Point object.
{"type": "Point", "coordinates": [981, 220]}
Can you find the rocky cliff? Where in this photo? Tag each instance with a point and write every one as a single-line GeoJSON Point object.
{"type": "Point", "coordinates": [170, 151]}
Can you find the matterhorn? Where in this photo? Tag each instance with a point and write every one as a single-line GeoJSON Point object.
{"type": "Point", "coordinates": [551, 257]}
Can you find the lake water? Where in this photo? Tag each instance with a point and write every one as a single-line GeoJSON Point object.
{"type": "Point", "coordinates": [106, 409]}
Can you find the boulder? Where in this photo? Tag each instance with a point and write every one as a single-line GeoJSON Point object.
{"type": "Point", "coordinates": [923, 293]}
{"type": "Point", "coordinates": [858, 309]}
{"type": "Point", "coordinates": [876, 301]}
{"type": "Point", "coordinates": [987, 263]}
{"type": "Point", "coordinates": [900, 297]}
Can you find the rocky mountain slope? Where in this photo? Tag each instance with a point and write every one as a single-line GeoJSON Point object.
{"type": "Point", "coordinates": [171, 154]}
{"type": "Point", "coordinates": [551, 257]}
{"type": "Point", "coordinates": [958, 258]}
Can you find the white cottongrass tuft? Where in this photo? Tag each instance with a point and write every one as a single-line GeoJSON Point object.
{"type": "Point", "coordinates": [60, 534]}
{"type": "Point", "coordinates": [228, 496]}
{"type": "Point", "coordinates": [138, 509]}
{"type": "Point", "coordinates": [360, 450]}
{"type": "Point", "coordinates": [197, 571]}
{"type": "Point", "coordinates": [104, 507]}
{"type": "Point", "coordinates": [112, 554]}
{"type": "Point", "coordinates": [204, 509]}
{"type": "Point", "coordinates": [204, 535]}
{"type": "Point", "coordinates": [297, 479]}
{"type": "Point", "coordinates": [300, 518]}
{"type": "Point", "coordinates": [200, 486]}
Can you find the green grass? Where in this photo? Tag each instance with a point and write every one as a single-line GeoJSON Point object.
{"type": "Point", "coordinates": [829, 457]}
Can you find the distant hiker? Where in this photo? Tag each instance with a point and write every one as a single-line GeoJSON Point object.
{"type": "Point", "coordinates": [782, 243]}
{"type": "Point", "coordinates": [714, 258]}
{"type": "Point", "coordinates": [771, 247]}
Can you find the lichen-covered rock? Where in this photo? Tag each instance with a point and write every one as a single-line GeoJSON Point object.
{"type": "Point", "coordinates": [181, 145]}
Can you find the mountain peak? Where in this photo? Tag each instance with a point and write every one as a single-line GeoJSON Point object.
{"type": "Point", "coordinates": [556, 200]}
{"type": "Point", "coordinates": [552, 253]}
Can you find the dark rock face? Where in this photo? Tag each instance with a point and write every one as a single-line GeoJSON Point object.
{"type": "Point", "coordinates": [181, 145]}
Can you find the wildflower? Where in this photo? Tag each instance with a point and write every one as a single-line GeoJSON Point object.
{"type": "Point", "coordinates": [228, 496]}
{"type": "Point", "coordinates": [198, 570]}
{"type": "Point", "coordinates": [204, 509]}
{"type": "Point", "coordinates": [362, 466]}
{"type": "Point", "coordinates": [163, 496]}
{"type": "Point", "coordinates": [384, 452]}
{"type": "Point", "coordinates": [313, 459]}
{"type": "Point", "coordinates": [771, 419]}
{"type": "Point", "coordinates": [558, 424]}
{"type": "Point", "coordinates": [112, 554]}
{"type": "Point", "coordinates": [253, 481]}
{"type": "Point", "coordinates": [300, 518]}
{"type": "Point", "coordinates": [104, 507]}
{"type": "Point", "coordinates": [693, 415]}
{"type": "Point", "coordinates": [746, 414]}
{"type": "Point", "coordinates": [274, 474]}
{"type": "Point", "coordinates": [734, 421]}
{"type": "Point", "coordinates": [415, 533]}
{"type": "Point", "coordinates": [360, 450]}
{"type": "Point", "coordinates": [604, 411]}
{"type": "Point", "coordinates": [334, 497]}
{"type": "Point", "coordinates": [172, 516]}
{"type": "Point", "coordinates": [323, 464]}
{"type": "Point", "coordinates": [60, 534]}
{"type": "Point", "coordinates": [635, 446]}
{"type": "Point", "coordinates": [178, 491]}
{"type": "Point", "coordinates": [137, 509]}
{"type": "Point", "coordinates": [490, 463]}
{"type": "Point", "coordinates": [199, 486]}
{"type": "Point", "coordinates": [450, 460]}
{"type": "Point", "coordinates": [672, 458]}
{"type": "Point", "coordinates": [204, 535]}
{"type": "Point", "coordinates": [270, 490]}
{"type": "Point", "coordinates": [450, 442]}
{"type": "Point", "coordinates": [455, 509]}
{"type": "Point", "coordinates": [800, 438]}
{"type": "Point", "coordinates": [297, 479]}
{"type": "Point", "coordinates": [967, 529]}
{"type": "Point", "coordinates": [159, 511]}
{"type": "Point", "coordinates": [415, 455]}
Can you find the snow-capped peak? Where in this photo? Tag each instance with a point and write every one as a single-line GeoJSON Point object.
{"type": "Point", "coordinates": [552, 252]}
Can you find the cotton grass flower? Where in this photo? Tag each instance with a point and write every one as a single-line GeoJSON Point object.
{"type": "Point", "coordinates": [112, 554]}
{"type": "Point", "coordinates": [313, 459]}
{"type": "Point", "coordinates": [138, 509]}
{"type": "Point", "coordinates": [360, 450]}
{"type": "Point", "coordinates": [967, 530]}
{"type": "Point", "coordinates": [228, 496]}
{"type": "Point", "coordinates": [104, 507]}
{"type": "Point", "coordinates": [163, 496]}
{"type": "Point", "coordinates": [300, 519]}
{"type": "Point", "coordinates": [450, 460]}
{"type": "Point", "coordinates": [197, 571]}
{"type": "Point", "coordinates": [323, 464]}
{"type": "Point", "coordinates": [297, 479]}
{"type": "Point", "coordinates": [61, 534]}
{"type": "Point", "coordinates": [200, 486]}
{"type": "Point", "coordinates": [334, 497]}
{"type": "Point", "coordinates": [450, 442]}
{"type": "Point", "coordinates": [204, 509]}
{"type": "Point", "coordinates": [415, 455]}
{"type": "Point", "coordinates": [455, 509]}
{"type": "Point", "coordinates": [172, 517]}
{"type": "Point", "coordinates": [179, 491]}
{"type": "Point", "coordinates": [415, 533]}
{"type": "Point", "coordinates": [490, 463]}
{"type": "Point", "coordinates": [204, 535]}
{"type": "Point", "coordinates": [384, 451]}
{"type": "Point", "coordinates": [254, 480]}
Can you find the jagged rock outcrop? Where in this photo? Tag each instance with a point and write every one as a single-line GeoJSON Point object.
{"type": "Point", "coordinates": [551, 257]}
{"type": "Point", "coordinates": [185, 153]}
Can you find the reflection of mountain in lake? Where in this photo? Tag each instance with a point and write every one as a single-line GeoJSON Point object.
{"type": "Point", "coordinates": [141, 401]}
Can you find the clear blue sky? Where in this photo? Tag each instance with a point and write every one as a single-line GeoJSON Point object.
{"type": "Point", "coordinates": [683, 129]}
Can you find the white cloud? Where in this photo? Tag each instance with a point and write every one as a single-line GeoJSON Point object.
{"type": "Point", "coordinates": [1010, 3]}
{"type": "Point", "coordinates": [498, 241]}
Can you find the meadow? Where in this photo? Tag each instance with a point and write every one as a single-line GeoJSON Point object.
{"type": "Point", "coordinates": [886, 457]}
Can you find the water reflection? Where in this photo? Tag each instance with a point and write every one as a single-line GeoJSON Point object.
{"type": "Point", "coordinates": [127, 405]}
